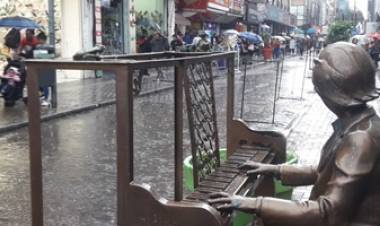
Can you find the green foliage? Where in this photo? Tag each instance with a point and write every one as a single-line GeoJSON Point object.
{"type": "Point", "coordinates": [148, 22]}
{"type": "Point", "coordinates": [265, 36]}
{"type": "Point", "coordinates": [339, 31]}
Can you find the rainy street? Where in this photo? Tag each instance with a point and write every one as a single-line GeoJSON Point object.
{"type": "Point", "coordinates": [79, 150]}
{"type": "Point", "coordinates": [189, 112]}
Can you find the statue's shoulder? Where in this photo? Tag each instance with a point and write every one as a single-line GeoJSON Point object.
{"type": "Point", "coordinates": [359, 152]}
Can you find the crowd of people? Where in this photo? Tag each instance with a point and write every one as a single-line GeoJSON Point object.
{"type": "Point", "coordinates": [19, 45]}
{"type": "Point", "coordinates": [200, 41]}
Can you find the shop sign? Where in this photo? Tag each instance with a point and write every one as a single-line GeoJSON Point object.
{"type": "Point", "coordinates": [98, 22]}
{"type": "Point", "coordinates": [219, 4]}
{"type": "Point", "coordinates": [237, 6]}
{"type": "Point", "coordinates": [277, 15]}
{"type": "Point", "coordinates": [255, 16]}
{"type": "Point", "coordinates": [204, 4]}
{"type": "Point", "coordinates": [194, 4]}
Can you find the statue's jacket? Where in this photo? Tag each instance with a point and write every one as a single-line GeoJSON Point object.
{"type": "Point", "coordinates": [346, 182]}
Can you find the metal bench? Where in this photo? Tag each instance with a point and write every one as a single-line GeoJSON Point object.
{"type": "Point", "coordinates": [137, 204]}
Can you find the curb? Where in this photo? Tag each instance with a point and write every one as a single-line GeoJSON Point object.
{"type": "Point", "coordinates": [49, 117]}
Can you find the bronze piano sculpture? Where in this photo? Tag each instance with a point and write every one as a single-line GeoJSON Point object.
{"type": "Point", "coordinates": [138, 204]}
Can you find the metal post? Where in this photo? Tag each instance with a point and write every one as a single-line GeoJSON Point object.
{"type": "Point", "coordinates": [178, 133]}
{"type": "Point", "coordinates": [51, 23]}
{"type": "Point", "coordinates": [275, 90]}
{"type": "Point", "coordinates": [124, 139]}
{"type": "Point", "coordinates": [230, 100]}
{"type": "Point", "coordinates": [35, 154]}
{"type": "Point", "coordinates": [282, 70]}
{"type": "Point", "coordinates": [304, 76]}
{"type": "Point", "coordinates": [243, 91]}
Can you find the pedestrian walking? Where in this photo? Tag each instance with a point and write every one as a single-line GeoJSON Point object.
{"type": "Point", "coordinates": [276, 44]}
{"type": "Point", "coordinates": [292, 46]}
{"type": "Point", "coordinates": [203, 45]}
{"type": "Point", "coordinates": [159, 43]}
{"type": "Point", "coordinates": [374, 51]}
{"type": "Point", "coordinates": [177, 43]}
{"type": "Point", "coordinates": [300, 47]}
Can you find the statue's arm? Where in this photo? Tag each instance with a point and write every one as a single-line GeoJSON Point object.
{"type": "Point", "coordinates": [354, 161]}
{"type": "Point", "coordinates": [294, 175]}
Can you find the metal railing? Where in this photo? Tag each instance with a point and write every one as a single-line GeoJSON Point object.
{"type": "Point", "coordinates": [123, 67]}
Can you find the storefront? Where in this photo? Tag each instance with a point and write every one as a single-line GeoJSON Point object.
{"type": "Point", "coordinates": [254, 18]}
{"type": "Point", "coordinates": [151, 16]}
{"type": "Point", "coordinates": [211, 16]}
{"type": "Point", "coordinates": [280, 20]}
{"type": "Point", "coordinates": [112, 32]}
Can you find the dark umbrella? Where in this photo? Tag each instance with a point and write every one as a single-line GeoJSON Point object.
{"type": "Point", "coordinates": [251, 37]}
{"type": "Point", "coordinates": [18, 22]}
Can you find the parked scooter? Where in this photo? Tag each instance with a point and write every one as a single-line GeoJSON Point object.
{"type": "Point", "coordinates": [12, 82]}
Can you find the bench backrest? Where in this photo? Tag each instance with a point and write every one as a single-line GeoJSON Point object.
{"type": "Point", "coordinates": [200, 103]}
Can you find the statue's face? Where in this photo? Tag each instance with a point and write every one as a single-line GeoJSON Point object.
{"type": "Point", "coordinates": [326, 89]}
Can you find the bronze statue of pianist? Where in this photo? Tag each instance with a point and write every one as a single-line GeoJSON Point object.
{"type": "Point", "coordinates": [347, 180]}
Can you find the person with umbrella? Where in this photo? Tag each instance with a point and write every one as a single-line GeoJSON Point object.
{"type": "Point", "coordinates": [374, 50]}
{"type": "Point", "coordinates": [276, 43]}
{"type": "Point", "coordinates": [203, 44]}
{"type": "Point", "coordinates": [292, 46]}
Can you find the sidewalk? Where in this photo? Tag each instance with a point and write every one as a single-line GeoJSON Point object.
{"type": "Point", "coordinates": [76, 96]}
{"type": "Point", "coordinates": [81, 95]}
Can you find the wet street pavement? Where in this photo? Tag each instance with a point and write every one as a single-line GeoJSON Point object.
{"type": "Point", "coordinates": [79, 151]}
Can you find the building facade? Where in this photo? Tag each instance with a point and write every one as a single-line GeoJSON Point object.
{"type": "Point", "coordinates": [308, 12]}
{"type": "Point", "coordinates": [211, 16]}
{"type": "Point", "coordinates": [273, 13]}
{"type": "Point", "coordinates": [374, 10]}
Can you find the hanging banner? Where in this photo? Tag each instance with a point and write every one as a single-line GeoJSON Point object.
{"type": "Point", "coordinates": [237, 6]}
{"type": "Point", "coordinates": [202, 5]}
{"type": "Point", "coordinates": [219, 4]}
{"type": "Point", "coordinates": [98, 22]}
{"type": "Point", "coordinates": [194, 4]}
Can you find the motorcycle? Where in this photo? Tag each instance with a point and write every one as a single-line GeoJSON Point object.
{"type": "Point", "coordinates": [12, 82]}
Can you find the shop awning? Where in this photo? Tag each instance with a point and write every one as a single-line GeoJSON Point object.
{"type": "Point", "coordinates": [181, 20]}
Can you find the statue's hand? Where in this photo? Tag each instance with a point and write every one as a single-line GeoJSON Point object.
{"type": "Point", "coordinates": [227, 203]}
{"type": "Point", "coordinates": [256, 168]}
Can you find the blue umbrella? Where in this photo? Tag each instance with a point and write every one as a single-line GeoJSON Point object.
{"type": "Point", "coordinates": [311, 31]}
{"type": "Point", "coordinates": [251, 37]}
{"type": "Point", "coordinates": [18, 22]}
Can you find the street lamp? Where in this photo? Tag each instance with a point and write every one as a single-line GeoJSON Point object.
{"type": "Point", "coordinates": [354, 11]}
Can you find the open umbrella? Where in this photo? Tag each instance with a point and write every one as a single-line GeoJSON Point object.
{"type": "Point", "coordinates": [311, 31]}
{"type": "Point", "coordinates": [279, 38]}
{"type": "Point", "coordinates": [231, 32]}
{"type": "Point", "coordinates": [287, 37]}
{"type": "Point", "coordinates": [251, 37]}
{"type": "Point", "coordinates": [375, 36]}
{"type": "Point", "coordinates": [362, 39]}
{"type": "Point", "coordinates": [302, 36]}
{"type": "Point", "coordinates": [18, 22]}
